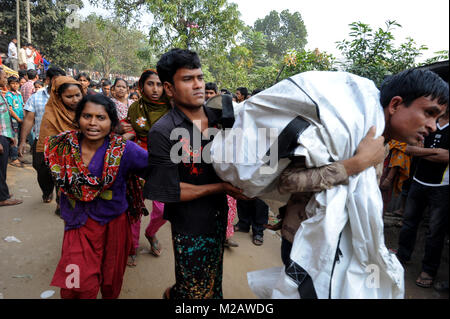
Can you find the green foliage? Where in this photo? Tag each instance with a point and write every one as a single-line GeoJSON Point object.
{"type": "Point", "coordinates": [197, 24]}
{"type": "Point", "coordinates": [372, 54]}
{"type": "Point", "coordinates": [304, 60]}
{"type": "Point", "coordinates": [284, 31]}
{"type": "Point", "coordinates": [48, 20]}
{"type": "Point", "coordinates": [439, 56]}
{"type": "Point", "coordinates": [68, 49]}
{"type": "Point", "coordinates": [111, 47]}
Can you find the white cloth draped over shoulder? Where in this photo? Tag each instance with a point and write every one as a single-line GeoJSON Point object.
{"type": "Point", "coordinates": [339, 108]}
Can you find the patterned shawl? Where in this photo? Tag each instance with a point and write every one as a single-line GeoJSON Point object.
{"type": "Point", "coordinates": [62, 155]}
{"type": "Point", "coordinates": [143, 113]}
{"type": "Point", "coordinates": [400, 159]}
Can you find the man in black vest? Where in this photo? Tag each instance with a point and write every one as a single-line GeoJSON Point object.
{"type": "Point", "coordinates": [430, 188]}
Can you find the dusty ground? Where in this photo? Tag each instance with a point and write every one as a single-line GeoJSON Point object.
{"type": "Point", "coordinates": [26, 268]}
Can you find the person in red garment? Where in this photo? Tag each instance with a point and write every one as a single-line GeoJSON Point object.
{"type": "Point", "coordinates": [94, 168]}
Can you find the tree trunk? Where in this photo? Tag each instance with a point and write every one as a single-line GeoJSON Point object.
{"type": "Point", "coordinates": [28, 22]}
{"type": "Point", "coordinates": [18, 24]}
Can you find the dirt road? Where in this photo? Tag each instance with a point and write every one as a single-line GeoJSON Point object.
{"type": "Point", "coordinates": [26, 267]}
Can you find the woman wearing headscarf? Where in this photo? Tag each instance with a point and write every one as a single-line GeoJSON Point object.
{"type": "Point", "coordinates": [95, 169]}
{"type": "Point", "coordinates": [59, 113]}
{"type": "Point", "coordinates": [142, 115]}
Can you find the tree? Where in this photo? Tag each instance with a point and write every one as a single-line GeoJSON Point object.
{"type": "Point", "coordinates": [48, 19]}
{"type": "Point", "coordinates": [196, 24]}
{"type": "Point", "coordinates": [373, 54]}
{"type": "Point", "coordinates": [305, 60]}
{"type": "Point", "coordinates": [68, 48]}
{"type": "Point", "coordinates": [439, 56]}
{"type": "Point", "coordinates": [111, 47]}
{"type": "Point", "coordinates": [284, 31]}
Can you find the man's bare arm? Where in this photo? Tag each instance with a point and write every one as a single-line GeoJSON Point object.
{"type": "Point", "coordinates": [420, 151]}
{"type": "Point", "coordinates": [190, 192]}
{"type": "Point", "coordinates": [441, 156]}
{"type": "Point", "coordinates": [27, 125]}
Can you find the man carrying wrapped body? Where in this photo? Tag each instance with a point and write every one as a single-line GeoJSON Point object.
{"type": "Point", "coordinates": [327, 121]}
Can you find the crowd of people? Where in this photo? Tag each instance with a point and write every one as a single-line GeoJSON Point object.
{"type": "Point", "coordinates": [102, 149]}
{"type": "Point", "coordinates": [27, 57]}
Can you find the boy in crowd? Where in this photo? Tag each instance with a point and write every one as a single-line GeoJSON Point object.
{"type": "Point", "coordinates": [6, 135]}
{"type": "Point", "coordinates": [210, 90]}
{"type": "Point", "coordinates": [15, 102]}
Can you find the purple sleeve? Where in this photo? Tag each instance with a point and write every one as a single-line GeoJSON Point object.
{"type": "Point", "coordinates": [135, 159]}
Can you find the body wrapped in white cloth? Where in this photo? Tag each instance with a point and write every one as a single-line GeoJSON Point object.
{"type": "Point", "coordinates": [341, 245]}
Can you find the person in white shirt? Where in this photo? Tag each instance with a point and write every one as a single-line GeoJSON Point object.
{"type": "Point", "coordinates": [12, 54]}
{"type": "Point", "coordinates": [30, 57]}
{"type": "Point", "coordinates": [23, 57]}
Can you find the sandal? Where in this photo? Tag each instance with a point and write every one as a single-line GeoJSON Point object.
{"type": "Point", "coordinates": [17, 164]}
{"type": "Point", "coordinates": [258, 240]}
{"type": "Point", "coordinates": [131, 262]}
{"type": "Point", "coordinates": [11, 202]}
{"type": "Point", "coordinates": [424, 280]}
{"type": "Point", "coordinates": [155, 247]}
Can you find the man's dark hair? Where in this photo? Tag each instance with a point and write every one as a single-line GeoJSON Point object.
{"type": "Point", "coordinates": [51, 73]}
{"type": "Point", "coordinates": [211, 86]}
{"type": "Point", "coordinates": [225, 91]}
{"type": "Point", "coordinates": [106, 82]}
{"type": "Point", "coordinates": [12, 79]}
{"type": "Point", "coordinates": [109, 105]}
{"type": "Point", "coordinates": [84, 75]}
{"type": "Point", "coordinates": [22, 73]}
{"type": "Point", "coordinates": [243, 90]}
{"type": "Point", "coordinates": [176, 59]}
{"type": "Point", "coordinates": [31, 74]}
{"type": "Point", "coordinates": [412, 84]}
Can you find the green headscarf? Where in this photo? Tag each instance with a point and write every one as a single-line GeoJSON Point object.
{"type": "Point", "coordinates": [143, 113]}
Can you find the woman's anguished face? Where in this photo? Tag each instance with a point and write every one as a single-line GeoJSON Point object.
{"type": "Point", "coordinates": [153, 88]}
{"type": "Point", "coordinates": [71, 96]}
{"type": "Point", "coordinates": [94, 122]}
